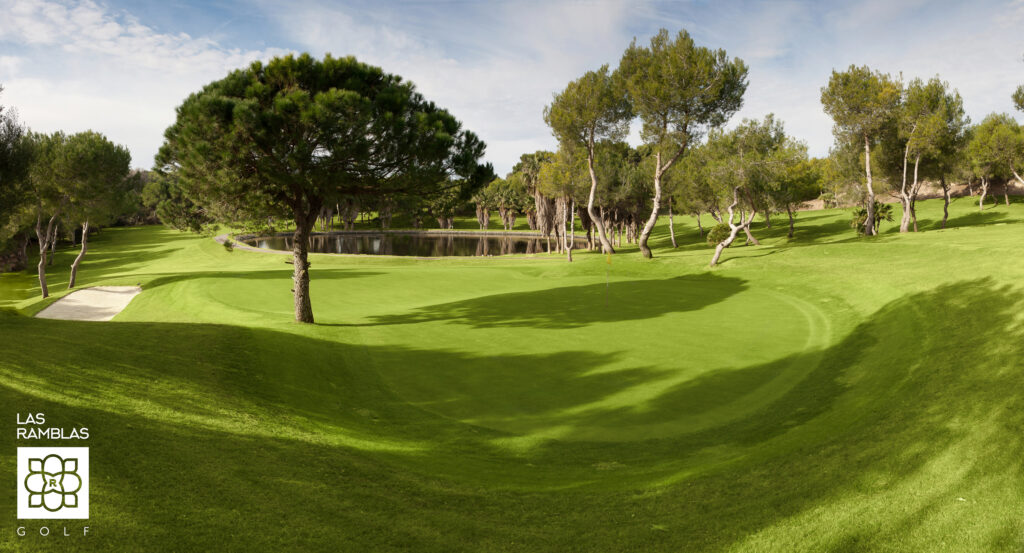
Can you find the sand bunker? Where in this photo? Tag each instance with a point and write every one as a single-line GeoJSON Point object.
{"type": "Point", "coordinates": [100, 303]}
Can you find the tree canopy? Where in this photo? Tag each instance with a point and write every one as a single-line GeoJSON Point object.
{"type": "Point", "coordinates": [678, 90]}
{"type": "Point", "coordinates": [862, 103]}
{"type": "Point", "coordinates": [290, 136]}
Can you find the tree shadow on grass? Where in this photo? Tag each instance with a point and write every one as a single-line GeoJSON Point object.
{"type": "Point", "coordinates": [987, 217]}
{"type": "Point", "coordinates": [576, 306]}
{"type": "Point", "coordinates": [283, 275]}
{"type": "Point", "coordinates": [849, 457]}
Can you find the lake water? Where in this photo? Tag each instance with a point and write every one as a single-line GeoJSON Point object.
{"type": "Point", "coordinates": [415, 244]}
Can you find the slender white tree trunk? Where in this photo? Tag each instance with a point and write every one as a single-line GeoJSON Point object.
{"type": "Point", "coordinates": [984, 191]}
{"type": "Point", "coordinates": [606, 245]}
{"type": "Point", "coordinates": [904, 196]}
{"type": "Point", "coordinates": [44, 247]}
{"type": "Point", "coordinates": [570, 241]}
{"type": "Point", "coordinates": [913, 192]}
{"type": "Point", "coordinates": [671, 226]}
{"type": "Point", "coordinates": [653, 219]}
{"type": "Point", "coordinates": [869, 223]}
{"type": "Point", "coordinates": [789, 211]}
{"type": "Point", "coordinates": [945, 206]}
{"type": "Point", "coordinates": [734, 229]}
{"type": "Point", "coordinates": [746, 228]}
{"type": "Point", "coordinates": [81, 254]}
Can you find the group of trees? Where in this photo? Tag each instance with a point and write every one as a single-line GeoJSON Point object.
{"type": "Point", "coordinates": [297, 142]}
{"type": "Point", "coordinates": [917, 132]}
{"type": "Point", "coordinates": [51, 183]}
{"type": "Point", "coordinates": [681, 94]}
{"type": "Point", "coordinates": [675, 88]}
{"type": "Point", "coordinates": [920, 123]}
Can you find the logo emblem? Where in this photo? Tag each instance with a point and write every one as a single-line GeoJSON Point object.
{"type": "Point", "coordinates": [53, 482]}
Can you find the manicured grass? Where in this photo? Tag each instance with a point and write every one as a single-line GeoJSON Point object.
{"type": "Point", "coordinates": [827, 393]}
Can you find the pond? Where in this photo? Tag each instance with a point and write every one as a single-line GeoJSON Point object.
{"type": "Point", "coordinates": [416, 244]}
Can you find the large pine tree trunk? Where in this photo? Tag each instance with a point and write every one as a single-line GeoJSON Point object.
{"type": "Point", "coordinates": [606, 245]}
{"type": "Point", "coordinates": [300, 277]}
{"type": "Point", "coordinates": [984, 191]}
{"type": "Point", "coordinates": [80, 256]}
{"type": "Point", "coordinates": [869, 223]}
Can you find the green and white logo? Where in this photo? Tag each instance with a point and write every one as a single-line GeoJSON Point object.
{"type": "Point", "coordinates": [53, 482]}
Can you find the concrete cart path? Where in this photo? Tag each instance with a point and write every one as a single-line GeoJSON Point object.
{"type": "Point", "coordinates": [100, 303]}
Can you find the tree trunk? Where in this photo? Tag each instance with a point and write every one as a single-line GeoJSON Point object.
{"type": "Point", "coordinates": [913, 192]}
{"type": "Point", "coordinates": [746, 229]}
{"type": "Point", "coordinates": [789, 211]}
{"type": "Point", "coordinates": [700, 228]}
{"type": "Point", "coordinates": [1006, 192]}
{"type": "Point", "coordinates": [945, 195]}
{"type": "Point", "coordinates": [81, 254]}
{"type": "Point", "coordinates": [984, 190]}
{"type": "Point", "coordinates": [904, 197]}
{"type": "Point", "coordinates": [671, 226]}
{"type": "Point", "coordinates": [606, 245]}
{"type": "Point", "coordinates": [23, 254]}
{"type": "Point", "coordinates": [653, 219]}
{"type": "Point", "coordinates": [569, 242]}
{"type": "Point", "coordinates": [300, 277]}
{"type": "Point", "coordinates": [869, 223]}
{"type": "Point", "coordinates": [734, 228]}
{"type": "Point", "coordinates": [53, 243]}
{"type": "Point", "coordinates": [483, 216]}
{"type": "Point", "coordinates": [44, 247]}
{"type": "Point", "coordinates": [725, 244]}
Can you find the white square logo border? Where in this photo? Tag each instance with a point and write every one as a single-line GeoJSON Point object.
{"type": "Point", "coordinates": [53, 483]}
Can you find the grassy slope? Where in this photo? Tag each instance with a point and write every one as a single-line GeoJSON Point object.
{"type": "Point", "coordinates": [826, 393]}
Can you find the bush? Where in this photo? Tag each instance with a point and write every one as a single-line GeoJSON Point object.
{"type": "Point", "coordinates": [718, 233]}
{"type": "Point", "coordinates": [229, 245]}
{"type": "Point", "coordinates": [883, 212]}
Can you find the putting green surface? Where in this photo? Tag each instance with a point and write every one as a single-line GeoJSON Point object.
{"type": "Point", "coordinates": [827, 393]}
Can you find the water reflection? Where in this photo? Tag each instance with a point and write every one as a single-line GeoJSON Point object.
{"type": "Point", "coordinates": [416, 245]}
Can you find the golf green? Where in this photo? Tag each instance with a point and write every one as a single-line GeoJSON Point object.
{"type": "Point", "coordinates": [825, 393]}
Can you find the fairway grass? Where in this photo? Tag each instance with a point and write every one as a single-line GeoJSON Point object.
{"type": "Point", "coordinates": [826, 393]}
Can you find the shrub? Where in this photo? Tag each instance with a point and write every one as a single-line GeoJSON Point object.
{"type": "Point", "coordinates": [860, 215]}
{"type": "Point", "coordinates": [718, 233]}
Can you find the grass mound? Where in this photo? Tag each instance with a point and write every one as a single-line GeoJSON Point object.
{"type": "Point", "coordinates": [824, 393]}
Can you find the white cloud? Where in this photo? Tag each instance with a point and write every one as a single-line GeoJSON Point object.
{"type": "Point", "coordinates": [83, 66]}
{"type": "Point", "coordinates": [494, 65]}
{"type": "Point", "coordinates": [74, 65]}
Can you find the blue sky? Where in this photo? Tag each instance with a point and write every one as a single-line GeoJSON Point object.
{"type": "Point", "coordinates": [121, 67]}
